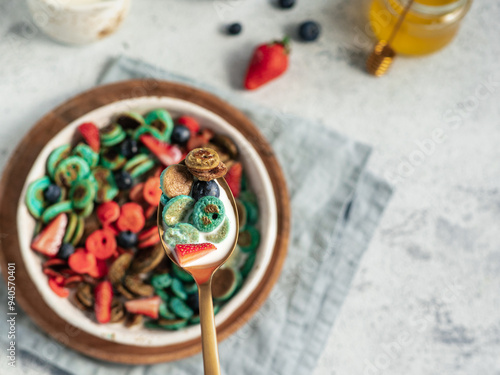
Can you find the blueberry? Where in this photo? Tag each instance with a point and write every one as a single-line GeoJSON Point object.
{"type": "Point", "coordinates": [65, 251]}
{"type": "Point", "coordinates": [126, 239]}
{"type": "Point", "coordinates": [234, 28]}
{"type": "Point", "coordinates": [203, 188]}
{"type": "Point", "coordinates": [309, 31]}
{"type": "Point", "coordinates": [180, 135]}
{"type": "Point", "coordinates": [52, 193]}
{"type": "Point", "coordinates": [123, 180]}
{"type": "Point", "coordinates": [193, 302]}
{"type": "Point", "coordinates": [129, 148]}
{"type": "Point", "coordinates": [286, 4]}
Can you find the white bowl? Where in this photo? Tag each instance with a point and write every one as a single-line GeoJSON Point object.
{"type": "Point", "coordinates": [259, 181]}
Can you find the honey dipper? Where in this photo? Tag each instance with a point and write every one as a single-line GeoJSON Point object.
{"type": "Point", "coordinates": [382, 55]}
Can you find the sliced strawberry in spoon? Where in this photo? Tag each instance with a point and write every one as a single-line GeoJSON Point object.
{"type": "Point", "coordinates": [190, 252]}
{"type": "Point", "coordinates": [166, 154]}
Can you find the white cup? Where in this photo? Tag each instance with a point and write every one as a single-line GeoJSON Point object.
{"type": "Point", "coordinates": [78, 21]}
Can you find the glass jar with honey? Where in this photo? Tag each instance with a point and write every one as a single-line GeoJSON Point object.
{"type": "Point", "coordinates": [429, 25]}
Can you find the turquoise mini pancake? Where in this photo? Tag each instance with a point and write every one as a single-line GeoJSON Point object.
{"type": "Point", "coordinates": [112, 135]}
{"type": "Point", "coordinates": [57, 208]}
{"type": "Point", "coordinates": [242, 214]}
{"type": "Point", "coordinates": [111, 159]}
{"type": "Point", "coordinates": [160, 119]}
{"type": "Point", "coordinates": [86, 211]}
{"type": "Point", "coordinates": [252, 211]}
{"type": "Point", "coordinates": [161, 281]}
{"type": "Point", "coordinates": [172, 325]}
{"type": "Point", "coordinates": [249, 239]}
{"type": "Point", "coordinates": [178, 289]}
{"type": "Point", "coordinates": [70, 228]}
{"type": "Point", "coordinates": [71, 169]}
{"type": "Point", "coordinates": [35, 200]}
{"type": "Point", "coordinates": [106, 186]}
{"type": "Point", "coordinates": [220, 233]}
{"type": "Point", "coordinates": [191, 288]}
{"type": "Point", "coordinates": [165, 313]}
{"type": "Point", "coordinates": [176, 209]}
{"type": "Point", "coordinates": [180, 308]}
{"type": "Point", "coordinates": [55, 157]}
{"type": "Point", "coordinates": [78, 234]}
{"type": "Point", "coordinates": [248, 265]}
{"type": "Point", "coordinates": [138, 165]}
{"type": "Point", "coordinates": [86, 153]}
{"type": "Point", "coordinates": [195, 319]}
{"type": "Point", "coordinates": [142, 168]}
{"type": "Point", "coordinates": [181, 233]}
{"type": "Point", "coordinates": [146, 129]}
{"type": "Point", "coordinates": [181, 274]}
{"type": "Point", "coordinates": [163, 294]}
{"type": "Point", "coordinates": [82, 193]}
{"type": "Point", "coordinates": [163, 199]}
{"type": "Point", "coordinates": [130, 121]}
{"type": "Point", "coordinates": [208, 213]}
{"type": "Point", "coordinates": [225, 282]}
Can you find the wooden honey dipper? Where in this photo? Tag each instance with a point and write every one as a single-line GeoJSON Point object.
{"type": "Point", "coordinates": [382, 55]}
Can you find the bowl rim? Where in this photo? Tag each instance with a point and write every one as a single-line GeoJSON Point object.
{"type": "Point", "coordinates": [21, 162]}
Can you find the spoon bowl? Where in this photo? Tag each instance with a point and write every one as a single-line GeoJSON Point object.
{"type": "Point", "coordinates": [203, 278]}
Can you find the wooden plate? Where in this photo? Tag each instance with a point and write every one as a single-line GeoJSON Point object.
{"type": "Point", "coordinates": [14, 177]}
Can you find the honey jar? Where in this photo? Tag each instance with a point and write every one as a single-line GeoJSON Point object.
{"type": "Point", "coordinates": [429, 25]}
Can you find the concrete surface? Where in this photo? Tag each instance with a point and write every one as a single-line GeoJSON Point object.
{"type": "Point", "coordinates": [426, 298]}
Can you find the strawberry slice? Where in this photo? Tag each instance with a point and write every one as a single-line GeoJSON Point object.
{"type": "Point", "coordinates": [72, 281]}
{"type": "Point", "coordinates": [146, 233]}
{"type": "Point", "coordinates": [50, 238]}
{"type": "Point", "coordinates": [131, 218]}
{"type": "Point", "coordinates": [103, 296]}
{"type": "Point", "coordinates": [100, 270]}
{"type": "Point", "coordinates": [54, 262]}
{"type": "Point", "coordinates": [150, 211]}
{"type": "Point", "coordinates": [190, 252]}
{"type": "Point", "coordinates": [90, 133]}
{"type": "Point", "coordinates": [82, 261]}
{"type": "Point", "coordinates": [233, 178]}
{"type": "Point", "coordinates": [51, 273]}
{"type": "Point", "coordinates": [101, 243]}
{"type": "Point", "coordinates": [144, 306]}
{"type": "Point", "coordinates": [166, 154]}
{"type": "Point", "coordinates": [190, 123]}
{"type": "Point", "coordinates": [152, 191]}
{"type": "Point", "coordinates": [56, 286]}
{"type": "Point", "coordinates": [108, 212]}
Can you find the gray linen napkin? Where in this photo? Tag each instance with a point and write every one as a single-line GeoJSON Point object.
{"type": "Point", "coordinates": [336, 207]}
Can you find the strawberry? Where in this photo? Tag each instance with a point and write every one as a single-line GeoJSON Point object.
{"type": "Point", "coordinates": [233, 178]}
{"type": "Point", "coordinates": [190, 252]}
{"type": "Point", "coordinates": [269, 61]}
{"type": "Point", "coordinates": [166, 154]}
{"type": "Point", "coordinates": [103, 296]}
{"type": "Point", "coordinates": [55, 284]}
{"type": "Point", "coordinates": [50, 238]}
{"type": "Point", "coordinates": [90, 133]}
{"type": "Point", "coordinates": [82, 261]}
{"type": "Point", "coordinates": [144, 306]}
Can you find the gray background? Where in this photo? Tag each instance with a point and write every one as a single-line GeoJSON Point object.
{"type": "Point", "coordinates": [426, 298]}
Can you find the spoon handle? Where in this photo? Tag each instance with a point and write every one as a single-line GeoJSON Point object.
{"type": "Point", "coordinates": [208, 333]}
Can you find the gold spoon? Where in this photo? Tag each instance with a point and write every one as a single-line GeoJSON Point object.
{"type": "Point", "coordinates": [203, 277]}
{"type": "Point", "coordinates": [382, 55]}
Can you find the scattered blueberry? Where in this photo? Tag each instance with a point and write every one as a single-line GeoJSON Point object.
{"type": "Point", "coordinates": [65, 251]}
{"type": "Point", "coordinates": [309, 31]}
{"type": "Point", "coordinates": [129, 148]}
{"type": "Point", "coordinates": [180, 135]}
{"type": "Point", "coordinates": [234, 28]}
{"type": "Point", "coordinates": [123, 180]}
{"type": "Point", "coordinates": [52, 193]}
{"type": "Point", "coordinates": [203, 188]}
{"type": "Point", "coordinates": [126, 239]}
{"type": "Point", "coordinates": [193, 302]}
{"type": "Point", "coordinates": [286, 4]}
